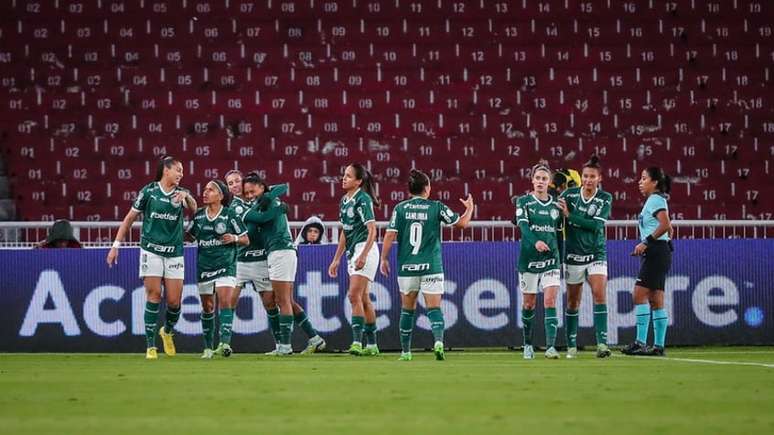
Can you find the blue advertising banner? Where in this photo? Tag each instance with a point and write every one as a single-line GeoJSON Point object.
{"type": "Point", "coordinates": [718, 292]}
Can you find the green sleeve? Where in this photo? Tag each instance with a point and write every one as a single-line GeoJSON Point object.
{"type": "Point", "coordinates": [193, 229]}
{"type": "Point", "coordinates": [527, 237]}
{"type": "Point", "coordinates": [142, 200]}
{"type": "Point", "coordinates": [236, 224]}
{"type": "Point", "coordinates": [277, 190]}
{"type": "Point", "coordinates": [261, 217]}
{"type": "Point", "coordinates": [591, 224]}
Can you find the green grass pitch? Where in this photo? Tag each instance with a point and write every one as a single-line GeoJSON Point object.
{"type": "Point", "coordinates": [693, 391]}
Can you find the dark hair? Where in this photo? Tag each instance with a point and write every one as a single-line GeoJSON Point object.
{"type": "Point", "coordinates": [164, 162]}
{"type": "Point", "coordinates": [663, 181]}
{"type": "Point", "coordinates": [361, 173]}
{"type": "Point", "coordinates": [255, 178]}
{"type": "Point", "coordinates": [418, 180]}
{"type": "Point", "coordinates": [227, 196]}
{"type": "Point", "coordinates": [593, 163]}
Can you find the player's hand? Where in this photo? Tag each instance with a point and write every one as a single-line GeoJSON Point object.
{"type": "Point", "coordinates": [360, 262]}
{"type": "Point", "coordinates": [229, 238]}
{"type": "Point", "coordinates": [112, 257]}
{"type": "Point", "coordinates": [639, 249]}
{"type": "Point", "coordinates": [385, 267]}
{"type": "Point", "coordinates": [333, 269]}
{"type": "Point", "coordinates": [180, 196]}
{"type": "Point", "coordinates": [541, 246]}
{"type": "Point", "coordinates": [562, 205]}
{"type": "Point", "coordinates": [467, 202]}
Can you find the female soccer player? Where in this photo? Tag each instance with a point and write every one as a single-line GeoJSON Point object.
{"type": "Point", "coordinates": [217, 230]}
{"type": "Point", "coordinates": [161, 248]}
{"type": "Point", "coordinates": [416, 224]}
{"type": "Point", "coordinates": [539, 220]}
{"type": "Point", "coordinates": [586, 210]}
{"type": "Point", "coordinates": [234, 182]}
{"type": "Point", "coordinates": [270, 215]}
{"type": "Point", "coordinates": [356, 213]}
{"type": "Point", "coordinates": [655, 250]}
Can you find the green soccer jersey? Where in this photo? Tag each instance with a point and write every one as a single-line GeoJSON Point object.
{"type": "Point", "coordinates": [418, 224]}
{"type": "Point", "coordinates": [256, 250]}
{"type": "Point", "coordinates": [586, 241]}
{"type": "Point", "coordinates": [162, 224]}
{"type": "Point", "coordinates": [214, 259]}
{"type": "Point", "coordinates": [355, 213]}
{"type": "Point", "coordinates": [538, 221]}
{"type": "Point", "coordinates": [273, 222]}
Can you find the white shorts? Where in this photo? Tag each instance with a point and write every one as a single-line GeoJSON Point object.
{"type": "Point", "coordinates": [282, 265]}
{"type": "Point", "coordinates": [164, 267]}
{"type": "Point", "coordinates": [532, 283]}
{"type": "Point", "coordinates": [256, 273]}
{"type": "Point", "coordinates": [371, 264]}
{"type": "Point", "coordinates": [577, 273]}
{"type": "Point", "coordinates": [429, 284]}
{"type": "Point", "coordinates": [208, 287]}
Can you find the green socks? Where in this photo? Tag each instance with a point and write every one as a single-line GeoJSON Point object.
{"type": "Point", "coordinates": [357, 329]}
{"type": "Point", "coordinates": [406, 328]}
{"type": "Point", "coordinates": [660, 323]}
{"type": "Point", "coordinates": [226, 321]}
{"type": "Point", "coordinates": [369, 333]}
{"type": "Point", "coordinates": [527, 316]}
{"type": "Point", "coordinates": [571, 322]}
{"type": "Point", "coordinates": [303, 321]}
{"type": "Point", "coordinates": [151, 316]}
{"type": "Point", "coordinates": [286, 328]}
{"type": "Point", "coordinates": [551, 324]}
{"type": "Point", "coordinates": [173, 315]}
{"type": "Point", "coordinates": [600, 323]}
{"type": "Point", "coordinates": [643, 322]}
{"type": "Point", "coordinates": [274, 323]}
{"type": "Point", "coordinates": [208, 329]}
{"type": "Point", "coordinates": [436, 323]}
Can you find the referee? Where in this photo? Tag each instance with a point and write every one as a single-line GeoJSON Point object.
{"type": "Point", "coordinates": [655, 252]}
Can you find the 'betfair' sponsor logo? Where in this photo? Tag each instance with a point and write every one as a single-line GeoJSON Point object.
{"type": "Point", "coordinates": [164, 216]}
{"type": "Point", "coordinates": [210, 243]}
{"type": "Point", "coordinates": [542, 228]}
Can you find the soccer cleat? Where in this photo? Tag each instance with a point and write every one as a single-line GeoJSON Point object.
{"type": "Point", "coordinates": [572, 352]}
{"type": "Point", "coordinates": [603, 351]}
{"type": "Point", "coordinates": [438, 351]}
{"type": "Point", "coordinates": [225, 350]}
{"type": "Point", "coordinates": [168, 341]}
{"type": "Point", "coordinates": [552, 353]}
{"type": "Point", "coordinates": [284, 350]}
{"type": "Point", "coordinates": [529, 352]}
{"type": "Point", "coordinates": [405, 356]}
{"type": "Point", "coordinates": [208, 353]}
{"type": "Point", "coordinates": [635, 348]}
{"type": "Point", "coordinates": [273, 352]}
{"type": "Point", "coordinates": [356, 349]}
{"type": "Point", "coordinates": [150, 353]}
{"type": "Point", "coordinates": [656, 351]}
{"type": "Point", "coordinates": [315, 344]}
{"type": "Point", "coordinates": [371, 350]}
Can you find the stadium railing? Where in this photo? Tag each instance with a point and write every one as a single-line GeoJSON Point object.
{"type": "Point", "coordinates": [101, 234]}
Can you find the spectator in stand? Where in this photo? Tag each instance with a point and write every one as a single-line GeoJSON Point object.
{"type": "Point", "coordinates": [312, 233]}
{"type": "Point", "coordinates": [60, 236]}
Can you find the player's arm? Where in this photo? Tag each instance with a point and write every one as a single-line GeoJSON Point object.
{"type": "Point", "coordinates": [256, 216]}
{"type": "Point", "coordinates": [238, 234]}
{"type": "Point", "coordinates": [465, 218]}
{"type": "Point", "coordinates": [333, 269]}
{"type": "Point", "coordinates": [124, 228]}
{"type": "Point", "coordinates": [389, 239]}
{"type": "Point", "coordinates": [664, 225]}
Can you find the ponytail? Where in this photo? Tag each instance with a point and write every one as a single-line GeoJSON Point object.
{"type": "Point", "coordinates": [418, 180]}
{"type": "Point", "coordinates": [663, 181]}
{"type": "Point", "coordinates": [164, 162]}
{"type": "Point", "coordinates": [368, 184]}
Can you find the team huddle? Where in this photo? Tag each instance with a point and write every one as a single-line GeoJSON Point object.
{"type": "Point", "coordinates": [244, 240]}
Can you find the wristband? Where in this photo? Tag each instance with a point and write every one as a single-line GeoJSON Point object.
{"type": "Point", "coordinates": [649, 239]}
{"type": "Point", "coordinates": [116, 244]}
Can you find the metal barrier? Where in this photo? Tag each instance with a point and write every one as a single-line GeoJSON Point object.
{"type": "Point", "coordinates": [101, 234]}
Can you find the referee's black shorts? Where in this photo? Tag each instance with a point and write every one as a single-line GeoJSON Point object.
{"type": "Point", "coordinates": [655, 264]}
